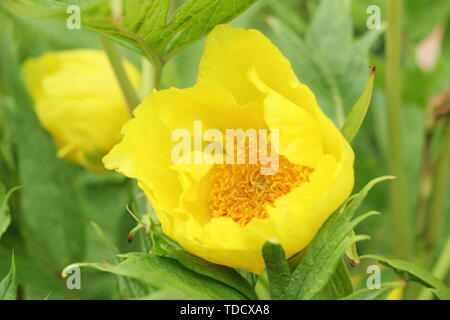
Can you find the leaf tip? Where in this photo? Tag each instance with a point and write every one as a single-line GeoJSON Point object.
{"type": "Point", "coordinates": [130, 237]}
{"type": "Point", "coordinates": [355, 262]}
{"type": "Point", "coordinates": [274, 241]}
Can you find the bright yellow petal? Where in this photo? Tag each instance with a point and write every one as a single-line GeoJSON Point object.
{"type": "Point", "coordinates": [231, 53]}
{"type": "Point", "coordinates": [195, 181]}
{"type": "Point", "coordinates": [300, 135]}
{"type": "Point", "coordinates": [78, 100]}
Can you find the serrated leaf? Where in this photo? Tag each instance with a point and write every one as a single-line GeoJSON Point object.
{"type": "Point", "coordinates": [145, 24]}
{"type": "Point", "coordinates": [165, 246]}
{"type": "Point", "coordinates": [8, 286]}
{"type": "Point", "coordinates": [200, 17]}
{"type": "Point", "coordinates": [416, 273]}
{"type": "Point", "coordinates": [145, 18]}
{"type": "Point", "coordinates": [374, 294]}
{"type": "Point", "coordinates": [324, 252]}
{"type": "Point", "coordinates": [356, 116]}
{"type": "Point", "coordinates": [277, 268]}
{"type": "Point", "coordinates": [168, 274]}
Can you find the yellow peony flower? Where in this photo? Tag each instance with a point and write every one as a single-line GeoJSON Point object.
{"type": "Point", "coordinates": [78, 100]}
{"type": "Point", "coordinates": [224, 213]}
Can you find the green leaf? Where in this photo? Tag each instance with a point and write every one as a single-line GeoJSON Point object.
{"type": "Point", "coordinates": [32, 274]}
{"type": "Point", "coordinates": [197, 18]}
{"type": "Point", "coordinates": [141, 22]}
{"type": "Point", "coordinates": [324, 252]}
{"type": "Point", "coordinates": [416, 273]}
{"type": "Point", "coordinates": [278, 271]}
{"type": "Point", "coordinates": [356, 117]}
{"type": "Point", "coordinates": [5, 216]}
{"type": "Point", "coordinates": [164, 246]}
{"type": "Point", "coordinates": [374, 294]}
{"type": "Point", "coordinates": [328, 59]}
{"type": "Point", "coordinates": [339, 285]}
{"type": "Point", "coordinates": [128, 287]}
{"type": "Point", "coordinates": [104, 199]}
{"type": "Point", "coordinates": [166, 294]}
{"type": "Point", "coordinates": [8, 286]}
{"type": "Point", "coordinates": [167, 274]}
{"type": "Point", "coordinates": [145, 24]}
{"type": "Point", "coordinates": [50, 216]}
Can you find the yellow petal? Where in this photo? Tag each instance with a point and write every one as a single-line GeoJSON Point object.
{"type": "Point", "coordinates": [300, 135]}
{"type": "Point", "coordinates": [78, 100]}
{"type": "Point", "coordinates": [231, 53]}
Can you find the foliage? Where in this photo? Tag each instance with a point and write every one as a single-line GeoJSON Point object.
{"type": "Point", "coordinates": [63, 214]}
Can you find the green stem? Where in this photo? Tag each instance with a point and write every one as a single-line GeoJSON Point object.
{"type": "Point", "coordinates": [147, 77]}
{"type": "Point", "coordinates": [156, 61]}
{"type": "Point", "coordinates": [426, 176]}
{"type": "Point", "coordinates": [117, 10]}
{"type": "Point", "coordinates": [125, 84]}
{"type": "Point", "coordinates": [395, 145]}
{"type": "Point", "coordinates": [157, 75]}
{"type": "Point", "coordinates": [440, 270]}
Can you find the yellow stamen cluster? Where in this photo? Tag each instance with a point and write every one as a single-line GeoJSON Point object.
{"type": "Point", "coordinates": [240, 191]}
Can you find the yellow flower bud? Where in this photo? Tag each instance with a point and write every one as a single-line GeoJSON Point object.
{"type": "Point", "coordinates": [78, 100]}
{"type": "Point", "coordinates": [224, 213]}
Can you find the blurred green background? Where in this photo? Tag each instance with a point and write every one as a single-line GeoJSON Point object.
{"type": "Point", "coordinates": [330, 47]}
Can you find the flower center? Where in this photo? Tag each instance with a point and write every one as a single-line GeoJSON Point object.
{"type": "Point", "coordinates": [241, 192]}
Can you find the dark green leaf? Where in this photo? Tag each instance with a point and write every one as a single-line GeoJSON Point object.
{"type": "Point", "coordinates": [168, 274]}
{"type": "Point", "coordinates": [277, 268]}
{"type": "Point", "coordinates": [165, 246]}
{"type": "Point", "coordinates": [198, 17]}
{"type": "Point", "coordinates": [145, 24]}
{"type": "Point", "coordinates": [325, 250]}
{"type": "Point", "coordinates": [339, 285]}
